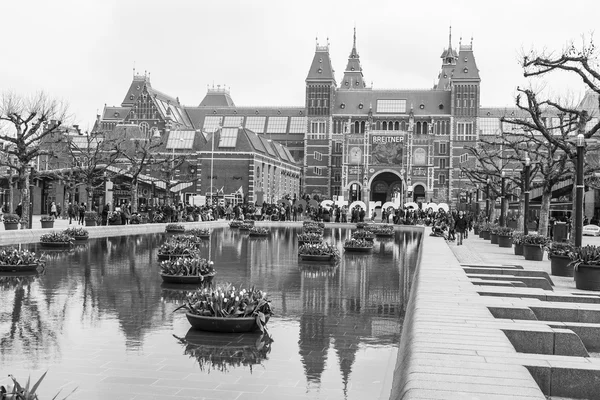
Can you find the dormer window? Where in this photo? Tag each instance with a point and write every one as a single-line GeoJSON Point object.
{"type": "Point", "coordinates": [466, 70]}
{"type": "Point", "coordinates": [346, 83]}
{"type": "Point", "coordinates": [320, 60]}
{"type": "Point", "coordinates": [319, 70]}
{"type": "Point", "coordinates": [352, 69]}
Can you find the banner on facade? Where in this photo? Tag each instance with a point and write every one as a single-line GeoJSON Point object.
{"type": "Point", "coordinates": [387, 149]}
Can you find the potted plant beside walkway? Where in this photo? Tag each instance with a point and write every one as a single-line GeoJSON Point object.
{"type": "Point", "coordinates": [494, 234]}
{"type": "Point", "coordinates": [504, 236]}
{"type": "Point", "coordinates": [91, 218]}
{"type": "Point", "coordinates": [517, 240]}
{"type": "Point", "coordinates": [11, 222]}
{"type": "Point", "coordinates": [47, 221]}
{"type": "Point", "coordinates": [484, 231]}
{"type": "Point", "coordinates": [585, 261]}
{"type": "Point", "coordinates": [559, 255]}
{"type": "Point", "coordinates": [533, 246]}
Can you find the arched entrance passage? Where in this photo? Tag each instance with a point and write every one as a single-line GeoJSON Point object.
{"type": "Point", "coordinates": [419, 193]}
{"type": "Point", "coordinates": [386, 185]}
{"type": "Point", "coordinates": [354, 192]}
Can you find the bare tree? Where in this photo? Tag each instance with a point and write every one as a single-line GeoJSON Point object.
{"type": "Point", "coordinates": [170, 172]}
{"type": "Point", "coordinates": [558, 121]}
{"type": "Point", "coordinates": [25, 122]}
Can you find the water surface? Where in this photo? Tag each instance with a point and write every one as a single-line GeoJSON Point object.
{"type": "Point", "coordinates": [101, 319]}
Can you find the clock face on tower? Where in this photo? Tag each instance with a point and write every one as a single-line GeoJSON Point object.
{"type": "Point", "coordinates": [355, 155]}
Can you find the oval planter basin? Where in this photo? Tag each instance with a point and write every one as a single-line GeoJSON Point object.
{"type": "Point", "coordinates": [226, 325]}
{"type": "Point", "coordinates": [55, 244]}
{"type": "Point", "coordinates": [303, 242]}
{"type": "Point", "coordinates": [358, 249]}
{"type": "Point", "coordinates": [188, 279]}
{"type": "Point", "coordinates": [170, 256]}
{"type": "Point", "coordinates": [80, 237]}
{"type": "Point", "coordinates": [533, 252]}
{"type": "Point", "coordinates": [384, 234]}
{"type": "Point", "coordinates": [19, 268]}
{"type": "Point", "coordinates": [587, 277]}
{"type": "Point", "coordinates": [505, 241]}
{"type": "Point", "coordinates": [313, 257]}
{"type": "Point", "coordinates": [558, 266]}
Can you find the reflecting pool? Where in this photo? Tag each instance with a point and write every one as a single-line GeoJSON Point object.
{"type": "Point", "coordinates": [100, 319]}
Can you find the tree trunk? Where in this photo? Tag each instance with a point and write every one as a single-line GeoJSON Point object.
{"type": "Point", "coordinates": [545, 211]}
{"type": "Point", "coordinates": [521, 219]}
{"type": "Point", "coordinates": [24, 182]}
{"type": "Point", "coordinates": [134, 196]}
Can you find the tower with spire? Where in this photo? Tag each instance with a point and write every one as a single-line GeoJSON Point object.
{"type": "Point", "coordinates": [449, 58]}
{"type": "Point", "coordinates": [353, 76]}
{"type": "Point", "coordinates": [320, 98]}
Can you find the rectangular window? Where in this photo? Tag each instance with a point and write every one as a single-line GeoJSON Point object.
{"type": "Point", "coordinates": [298, 125]}
{"type": "Point", "coordinates": [464, 158]}
{"type": "Point", "coordinates": [318, 156]}
{"type": "Point", "coordinates": [391, 106]}
{"type": "Point", "coordinates": [464, 131]}
{"type": "Point", "coordinates": [317, 171]}
{"type": "Point", "coordinates": [442, 179]}
{"type": "Point", "coordinates": [337, 178]}
{"type": "Point", "coordinates": [256, 124]}
{"type": "Point", "coordinates": [277, 125]}
{"type": "Point", "coordinates": [442, 148]}
{"type": "Point", "coordinates": [232, 121]}
{"type": "Point", "coordinates": [338, 147]}
{"type": "Point", "coordinates": [336, 161]}
{"type": "Point", "coordinates": [211, 123]}
{"type": "Point", "coordinates": [228, 137]}
{"type": "Point", "coordinates": [442, 163]}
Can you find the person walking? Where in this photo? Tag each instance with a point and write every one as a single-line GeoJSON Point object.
{"type": "Point", "coordinates": [81, 213]}
{"type": "Point", "coordinates": [53, 209]}
{"type": "Point", "coordinates": [71, 212]}
{"type": "Point", "coordinates": [460, 226]}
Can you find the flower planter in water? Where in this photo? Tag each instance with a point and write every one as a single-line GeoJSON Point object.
{"type": "Point", "coordinates": [163, 257]}
{"type": "Point", "coordinates": [518, 249]}
{"type": "Point", "coordinates": [11, 226]}
{"type": "Point", "coordinates": [486, 235]}
{"type": "Point", "coordinates": [384, 234]}
{"type": "Point", "coordinates": [85, 237]}
{"type": "Point", "coordinates": [314, 257]}
{"type": "Point", "coordinates": [358, 249]}
{"type": "Point", "coordinates": [55, 244]}
{"type": "Point", "coordinates": [47, 224]}
{"type": "Point", "coordinates": [533, 252]}
{"type": "Point", "coordinates": [558, 265]}
{"type": "Point", "coordinates": [227, 325]}
{"type": "Point", "coordinates": [187, 279]}
{"type": "Point", "coordinates": [493, 238]}
{"type": "Point", "coordinates": [19, 268]}
{"type": "Point", "coordinates": [504, 241]}
{"type": "Point", "coordinates": [587, 277]}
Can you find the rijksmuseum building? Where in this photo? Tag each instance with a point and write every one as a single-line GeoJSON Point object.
{"type": "Point", "coordinates": [347, 139]}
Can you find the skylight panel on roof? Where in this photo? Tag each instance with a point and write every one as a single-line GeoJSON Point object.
{"type": "Point", "coordinates": [228, 137]}
{"type": "Point", "coordinates": [233, 121]}
{"type": "Point", "coordinates": [298, 125]}
{"type": "Point", "coordinates": [256, 124]}
{"type": "Point", "coordinates": [180, 140]}
{"type": "Point", "coordinates": [391, 106]}
{"type": "Point", "coordinates": [211, 123]}
{"type": "Point", "coordinates": [277, 125]}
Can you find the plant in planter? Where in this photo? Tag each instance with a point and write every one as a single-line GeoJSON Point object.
{"type": "Point", "coordinates": [484, 231]}
{"type": "Point", "coordinates": [18, 392]}
{"type": "Point", "coordinates": [11, 222]}
{"type": "Point", "coordinates": [177, 249]}
{"type": "Point", "coordinates": [314, 224]}
{"type": "Point", "coordinates": [56, 239]}
{"type": "Point", "coordinates": [363, 234]}
{"type": "Point", "coordinates": [585, 262]}
{"type": "Point", "coordinates": [15, 260]}
{"type": "Point", "coordinates": [235, 223]}
{"type": "Point", "coordinates": [187, 270]}
{"type": "Point", "coordinates": [504, 236]}
{"type": "Point", "coordinates": [227, 309]}
{"type": "Point", "coordinates": [383, 230]}
{"type": "Point", "coordinates": [76, 232]}
{"type": "Point", "coordinates": [318, 251]}
{"type": "Point", "coordinates": [91, 218]}
{"type": "Point", "coordinates": [174, 228]}
{"type": "Point", "coordinates": [47, 221]}
{"type": "Point", "coordinates": [137, 219]}
{"type": "Point", "coordinates": [258, 231]}
{"type": "Point", "coordinates": [358, 245]}
{"type": "Point", "coordinates": [199, 232]}
{"type": "Point", "coordinates": [517, 240]}
{"type": "Point", "coordinates": [309, 237]}
{"type": "Point", "coordinates": [533, 246]}
{"type": "Point", "coordinates": [312, 229]}
{"type": "Point", "coordinates": [559, 254]}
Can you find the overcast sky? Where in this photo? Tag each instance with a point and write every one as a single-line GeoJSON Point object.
{"type": "Point", "coordinates": [84, 51]}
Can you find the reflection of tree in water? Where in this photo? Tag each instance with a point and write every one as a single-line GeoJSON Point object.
{"type": "Point", "coordinates": [222, 351]}
{"type": "Point", "coordinates": [313, 345]}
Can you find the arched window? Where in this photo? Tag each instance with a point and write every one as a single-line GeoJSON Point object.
{"type": "Point", "coordinates": [378, 125]}
{"type": "Point", "coordinates": [425, 131]}
{"type": "Point", "coordinates": [144, 127]}
{"type": "Point", "coordinates": [357, 127]}
{"type": "Point", "coordinates": [362, 127]}
{"type": "Point", "coordinates": [384, 126]}
{"type": "Point", "coordinates": [418, 127]}
{"type": "Point", "coordinates": [403, 125]}
{"type": "Point", "coordinates": [396, 126]}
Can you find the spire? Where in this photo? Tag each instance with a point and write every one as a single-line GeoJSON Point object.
{"type": "Point", "coordinates": [450, 37]}
{"type": "Point", "coordinates": [354, 53]}
{"type": "Point", "coordinates": [353, 76]}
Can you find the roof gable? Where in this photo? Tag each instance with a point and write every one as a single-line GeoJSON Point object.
{"type": "Point", "coordinates": [321, 68]}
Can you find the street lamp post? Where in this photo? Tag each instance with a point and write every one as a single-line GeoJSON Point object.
{"type": "Point", "coordinates": [579, 191]}
{"type": "Point", "coordinates": [526, 190]}
{"type": "Point", "coordinates": [487, 200]}
{"type": "Point", "coordinates": [503, 200]}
